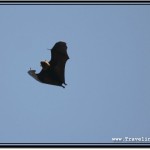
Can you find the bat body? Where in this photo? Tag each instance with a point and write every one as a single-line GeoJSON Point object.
{"type": "Point", "coordinates": [53, 72]}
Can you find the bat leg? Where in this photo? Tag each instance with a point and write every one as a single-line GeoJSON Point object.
{"type": "Point", "coordinates": [62, 86]}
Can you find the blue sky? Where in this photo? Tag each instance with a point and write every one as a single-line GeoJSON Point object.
{"type": "Point", "coordinates": [108, 73]}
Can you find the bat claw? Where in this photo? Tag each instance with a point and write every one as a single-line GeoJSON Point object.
{"type": "Point", "coordinates": [63, 86]}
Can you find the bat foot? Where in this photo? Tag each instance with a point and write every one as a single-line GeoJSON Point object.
{"type": "Point", "coordinates": [63, 86]}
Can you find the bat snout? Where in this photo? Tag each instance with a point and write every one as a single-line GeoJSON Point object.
{"type": "Point", "coordinates": [31, 72]}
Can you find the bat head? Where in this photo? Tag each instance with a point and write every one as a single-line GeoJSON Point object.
{"type": "Point", "coordinates": [33, 74]}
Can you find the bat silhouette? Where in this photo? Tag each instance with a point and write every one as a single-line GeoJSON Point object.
{"type": "Point", "coordinates": [53, 72]}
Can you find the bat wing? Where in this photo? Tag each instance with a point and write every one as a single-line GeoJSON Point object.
{"type": "Point", "coordinates": [58, 60]}
{"type": "Point", "coordinates": [55, 74]}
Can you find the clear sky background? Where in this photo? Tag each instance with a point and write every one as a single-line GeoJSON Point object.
{"type": "Point", "coordinates": [108, 73]}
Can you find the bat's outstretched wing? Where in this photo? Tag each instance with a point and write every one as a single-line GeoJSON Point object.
{"type": "Point", "coordinates": [58, 60]}
{"type": "Point", "coordinates": [55, 70]}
